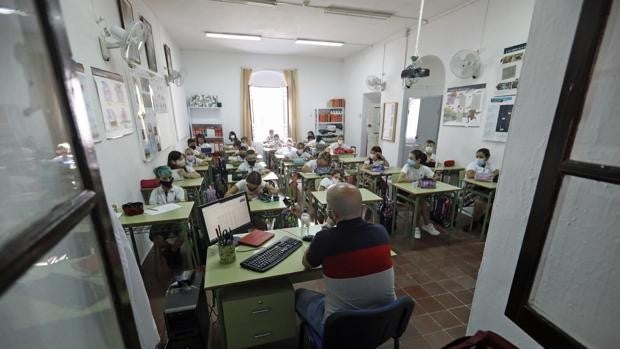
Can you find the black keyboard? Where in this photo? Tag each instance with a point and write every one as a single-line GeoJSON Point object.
{"type": "Point", "coordinates": [272, 255]}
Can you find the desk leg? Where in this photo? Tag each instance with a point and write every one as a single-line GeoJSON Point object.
{"type": "Point", "coordinates": [394, 196]}
{"type": "Point", "coordinates": [414, 219]}
{"type": "Point", "coordinates": [487, 210]}
{"type": "Point", "coordinates": [135, 247]}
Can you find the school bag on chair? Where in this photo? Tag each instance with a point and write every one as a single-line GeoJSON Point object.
{"type": "Point", "coordinates": [442, 210]}
{"type": "Point", "coordinates": [385, 214]}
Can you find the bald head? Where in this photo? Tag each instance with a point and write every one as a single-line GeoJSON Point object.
{"type": "Point", "coordinates": [345, 200]}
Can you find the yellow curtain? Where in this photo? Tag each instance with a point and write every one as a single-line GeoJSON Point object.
{"type": "Point", "coordinates": [246, 110]}
{"type": "Point", "coordinates": [290, 76]}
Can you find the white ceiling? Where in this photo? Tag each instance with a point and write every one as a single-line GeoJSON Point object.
{"type": "Point", "coordinates": [187, 20]}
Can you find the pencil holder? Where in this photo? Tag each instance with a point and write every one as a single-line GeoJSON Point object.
{"type": "Point", "coordinates": [227, 254]}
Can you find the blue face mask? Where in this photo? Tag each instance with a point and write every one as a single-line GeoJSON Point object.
{"type": "Point", "coordinates": [411, 162]}
{"type": "Point", "coordinates": [481, 162]}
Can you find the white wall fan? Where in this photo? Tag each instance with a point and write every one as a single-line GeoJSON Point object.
{"type": "Point", "coordinates": [129, 41]}
{"type": "Point", "coordinates": [375, 83]}
{"type": "Point", "coordinates": [465, 64]}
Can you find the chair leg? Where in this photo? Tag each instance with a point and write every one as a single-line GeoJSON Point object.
{"type": "Point", "coordinates": [301, 336]}
{"type": "Point", "coordinates": [396, 343]}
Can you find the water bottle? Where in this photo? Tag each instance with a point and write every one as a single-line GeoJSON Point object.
{"type": "Point", "coordinates": [305, 223]}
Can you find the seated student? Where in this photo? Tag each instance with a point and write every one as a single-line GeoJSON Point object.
{"type": "Point", "coordinates": [429, 150]}
{"type": "Point", "coordinates": [414, 170]}
{"type": "Point", "coordinates": [192, 160]}
{"type": "Point", "coordinates": [253, 185]}
{"type": "Point", "coordinates": [324, 159]}
{"type": "Point", "coordinates": [245, 142]}
{"type": "Point", "coordinates": [339, 147]}
{"type": "Point", "coordinates": [334, 177]}
{"type": "Point", "coordinates": [285, 150]}
{"type": "Point", "coordinates": [237, 145]}
{"type": "Point", "coordinates": [180, 170]}
{"type": "Point", "coordinates": [276, 142]}
{"type": "Point", "coordinates": [299, 152]}
{"type": "Point", "coordinates": [269, 138]}
{"type": "Point", "coordinates": [191, 143]}
{"type": "Point", "coordinates": [481, 169]}
{"type": "Point", "coordinates": [240, 157]}
{"type": "Point", "coordinates": [355, 255]}
{"type": "Point", "coordinates": [311, 141]}
{"type": "Point", "coordinates": [232, 136]}
{"type": "Point", "coordinates": [250, 164]}
{"type": "Point", "coordinates": [201, 142]}
{"type": "Point", "coordinates": [167, 237]}
{"type": "Point", "coordinates": [310, 134]}
{"type": "Point", "coordinates": [375, 158]}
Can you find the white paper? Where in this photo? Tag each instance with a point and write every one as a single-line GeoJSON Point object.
{"type": "Point", "coordinates": [151, 211]}
{"type": "Point", "coordinates": [270, 177]}
{"type": "Point", "coordinates": [509, 70]}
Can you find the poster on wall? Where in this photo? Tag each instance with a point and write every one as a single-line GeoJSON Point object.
{"type": "Point", "coordinates": [510, 70]}
{"type": "Point", "coordinates": [160, 91]}
{"type": "Point", "coordinates": [464, 106]}
{"type": "Point", "coordinates": [499, 113]}
{"type": "Point", "coordinates": [114, 103]}
{"type": "Point", "coordinates": [388, 128]}
{"type": "Point", "coordinates": [90, 102]}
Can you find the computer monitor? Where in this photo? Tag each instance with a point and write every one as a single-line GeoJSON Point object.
{"type": "Point", "coordinates": [231, 213]}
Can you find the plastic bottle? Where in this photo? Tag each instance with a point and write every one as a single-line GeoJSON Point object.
{"type": "Point", "coordinates": [305, 223]}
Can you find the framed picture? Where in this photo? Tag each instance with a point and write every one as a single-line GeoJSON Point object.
{"type": "Point", "coordinates": [126, 13]}
{"type": "Point", "coordinates": [168, 56]}
{"type": "Point", "coordinates": [149, 46]}
{"type": "Point", "coordinates": [388, 125]}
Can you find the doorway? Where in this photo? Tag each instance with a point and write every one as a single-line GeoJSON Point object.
{"type": "Point", "coordinates": [371, 112]}
{"type": "Point", "coordinates": [422, 123]}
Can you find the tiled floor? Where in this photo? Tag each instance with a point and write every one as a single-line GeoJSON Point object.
{"type": "Point", "coordinates": [439, 273]}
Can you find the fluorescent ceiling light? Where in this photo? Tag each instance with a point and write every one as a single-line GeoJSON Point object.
{"type": "Point", "coordinates": [345, 11]}
{"type": "Point", "coordinates": [266, 3]}
{"type": "Point", "coordinates": [233, 36]}
{"type": "Point", "coordinates": [318, 43]}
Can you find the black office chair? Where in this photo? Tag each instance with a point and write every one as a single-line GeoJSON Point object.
{"type": "Point", "coordinates": [362, 329]}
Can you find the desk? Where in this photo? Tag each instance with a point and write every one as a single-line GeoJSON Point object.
{"type": "Point", "coordinates": [193, 186]}
{"type": "Point", "coordinates": [485, 190]}
{"type": "Point", "coordinates": [369, 198]}
{"type": "Point", "coordinates": [206, 172]}
{"type": "Point", "coordinates": [307, 182]}
{"type": "Point", "coordinates": [410, 195]}
{"type": "Point", "coordinates": [449, 171]}
{"type": "Point", "coordinates": [268, 177]}
{"type": "Point", "coordinates": [182, 214]}
{"type": "Point", "coordinates": [370, 178]}
{"type": "Point", "coordinates": [349, 162]}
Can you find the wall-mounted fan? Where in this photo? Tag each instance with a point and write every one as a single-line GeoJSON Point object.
{"type": "Point", "coordinates": [129, 41]}
{"type": "Point", "coordinates": [465, 64]}
{"type": "Point", "coordinates": [175, 77]}
{"type": "Point", "coordinates": [374, 83]}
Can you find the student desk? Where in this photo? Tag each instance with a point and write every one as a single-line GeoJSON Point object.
{"type": "Point", "coordinates": [485, 190]}
{"type": "Point", "coordinates": [351, 162]}
{"type": "Point", "coordinates": [368, 198]}
{"type": "Point", "coordinates": [307, 183]}
{"type": "Point", "coordinates": [449, 172]}
{"type": "Point", "coordinates": [370, 178]}
{"type": "Point", "coordinates": [205, 172]}
{"type": "Point", "coordinates": [268, 177]}
{"type": "Point", "coordinates": [182, 215]}
{"type": "Point", "coordinates": [193, 187]}
{"type": "Point", "coordinates": [267, 210]}
{"type": "Point", "coordinates": [405, 192]}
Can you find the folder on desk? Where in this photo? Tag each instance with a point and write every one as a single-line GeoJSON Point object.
{"type": "Point", "coordinates": [256, 238]}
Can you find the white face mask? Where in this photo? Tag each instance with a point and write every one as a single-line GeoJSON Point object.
{"type": "Point", "coordinates": [340, 142]}
{"type": "Point", "coordinates": [429, 149]}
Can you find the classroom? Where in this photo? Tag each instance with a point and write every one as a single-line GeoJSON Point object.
{"type": "Point", "coordinates": [279, 174]}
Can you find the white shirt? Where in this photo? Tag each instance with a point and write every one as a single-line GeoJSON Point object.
{"type": "Point", "coordinates": [294, 155]}
{"type": "Point", "coordinates": [327, 182]}
{"type": "Point", "coordinates": [286, 150]}
{"type": "Point", "coordinates": [412, 173]}
{"type": "Point", "coordinates": [311, 165]}
{"type": "Point", "coordinates": [258, 166]}
{"type": "Point", "coordinates": [487, 169]}
{"type": "Point", "coordinates": [243, 187]}
{"type": "Point", "coordinates": [430, 158]}
{"type": "Point", "coordinates": [160, 197]}
{"type": "Point", "coordinates": [204, 145]}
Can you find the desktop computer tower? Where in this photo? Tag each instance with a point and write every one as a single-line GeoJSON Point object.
{"type": "Point", "coordinates": [186, 316]}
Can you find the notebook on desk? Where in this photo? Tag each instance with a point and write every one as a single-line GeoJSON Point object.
{"type": "Point", "coordinates": [256, 238]}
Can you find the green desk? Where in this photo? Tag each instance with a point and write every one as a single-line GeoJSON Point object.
{"type": "Point", "coordinates": [206, 173]}
{"type": "Point", "coordinates": [370, 178]}
{"type": "Point", "coordinates": [485, 190]}
{"type": "Point", "coordinates": [193, 186]}
{"type": "Point", "coordinates": [268, 177]}
{"type": "Point", "coordinates": [307, 184]}
{"type": "Point", "coordinates": [368, 198]}
{"type": "Point", "coordinates": [351, 162]}
{"type": "Point", "coordinates": [406, 192]}
{"type": "Point", "coordinates": [182, 214]}
{"type": "Point", "coordinates": [449, 171]}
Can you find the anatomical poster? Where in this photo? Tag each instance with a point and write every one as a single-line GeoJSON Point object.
{"type": "Point", "coordinates": [464, 106]}
{"type": "Point", "coordinates": [114, 103]}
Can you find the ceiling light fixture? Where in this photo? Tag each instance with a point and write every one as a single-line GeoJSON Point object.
{"type": "Point", "coordinates": [265, 3]}
{"type": "Point", "coordinates": [318, 42]}
{"type": "Point", "coordinates": [345, 11]}
{"type": "Point", "coordinates": [233, 36]}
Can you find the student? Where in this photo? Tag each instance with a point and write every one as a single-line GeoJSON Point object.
{"type": "Point", "coordinates": [191, 143]}
{"type": "Point", "coordinates": [245, 142]}
{"type": "Point", "coordinates": [480, 169]}
{"type": "Point", "coordinates": [414, 170]}
{"type": "Point", "coordinates": [339, 147]}
{"type": "Point", "coordinates": [276, 142]}
{"type": "Point", "coordinates": [237, 144]}
{"type": "Point", "coordinates": [201, 142]}
{"type": "Point", "coordinates": [376, 158]}
{"type": "Point", "coordinates": [311, 141]}
{"type": "Point", "coordinates": [324, 159]}
{"type": "Point", "coordinates": [429, 150]}
{"type": "Point", "coordinates": [232, 136]}
{"type": "Point", "coordinates": [311, 134]}
{"type": "Point", "coordinates": [180, 170]}
{"type": "Point", "coordinates": [250, 164]}
{"type": "Point", "coordinates": [253, 185]}
{"type": "Point", "coordinates": [191, 159]}
{"type": "Point", "coordinates": [269, 138]}
{"type": "Point", "coordinates": [167, 237]}
{"type": "Point", "coordinates": [334, 177]}
{"type": "Point", "coordinates": [299, 152]}
{"type": "Point", "coordinates": [241, 154]}
{"type": "Point", "coordinates": [290, 147]}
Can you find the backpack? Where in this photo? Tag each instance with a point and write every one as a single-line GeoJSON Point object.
{"type": "Point", "coordinates": [442, 210]}
{"type": "Point", "coordinates": [210, 194]}
{"type": "Point", "coordinates": [386, 208]}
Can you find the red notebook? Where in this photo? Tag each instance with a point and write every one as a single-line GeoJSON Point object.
{"type": "Point", "coordinates": [256, 238]}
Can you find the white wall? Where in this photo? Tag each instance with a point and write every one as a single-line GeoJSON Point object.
{"type": "Point", "coordinates": [120, 160]}
{"type": "Point", "coordinates": [219, 73]}
{"type": "Point", "coordinates": [549, 43]}
{"type": "Point", "coordinates": [507, 23]}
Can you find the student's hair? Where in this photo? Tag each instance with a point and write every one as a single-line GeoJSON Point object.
{"type": "Point", "coordinates": [376, 149]}
{"type": "Point", "coordinates": [301, 145]}
{"type": "Point", "coordinates": [243, 147]}
{"type": "Point", "coordinates": [271, 131]}
{"type": "Point", "coordinates": [311, 133]}
{"type": "Point", "coordinates": [190, 141]}
{"type": "Point", "coordinates": [276, 136]}
{"type": "Point", "coordinates": [230, 134]}
{"type": "Point", "coordinates": [254, 178]}
{"type": "Point", "coordinates": [250, 152]}
{"type": "Point", "coordinates": [244, 138]}
{"type": "Point", "coordinates": [485, 152]}
{"type": "Point", "coordinates": [337, 170]}
{"type": "Point", "coordinates": [189, 150]}
{"type": "Point", "coordinates": [200, 136]}
{"type": "Point", "coordinates": [325, 155]}
{"type": "Point", "coordinates": [237, 143]}
{"type": "Point", "coordinates": [340, 137]}
{"type": "Point", "coordinates": [430, 141]}
{"type": "Point", "coordinates": [311, 137]}
{"type": "Point", "coordinates": [418, 154]}
{"type": "Point", "coordinates": [174, 156]}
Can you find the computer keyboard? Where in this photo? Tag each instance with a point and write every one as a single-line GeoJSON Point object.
{"type": "Point", "coordinates": [273, 255]}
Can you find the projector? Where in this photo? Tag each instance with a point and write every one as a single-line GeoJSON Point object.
{"type": "Point", "coordinates": [413, 72]}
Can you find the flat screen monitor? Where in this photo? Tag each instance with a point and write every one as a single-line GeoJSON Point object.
{"type": "Point", "coordinates": [232, 213]}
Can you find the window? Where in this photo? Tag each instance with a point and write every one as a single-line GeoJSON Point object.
{"type": "Point", "coordinates": [269, 112]}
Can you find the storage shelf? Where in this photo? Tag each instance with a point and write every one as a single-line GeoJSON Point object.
{"type": "Point", "coordinates": [216, 108]}
{"type": "Point", "coordinates": [335, 122]}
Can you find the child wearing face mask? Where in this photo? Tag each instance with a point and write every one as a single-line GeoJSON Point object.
{"type": "Point", "coordinates": [335, 177]}
{"type": "Point", "coordinates": [180, 170]}
{"type": "Point", "coordinates": [414, 170]}
{"type": "Point", "coordinates": [191, 143]}
{"type": "Point", "coordinates": [429, 150]}
{"type": "Point", "coordinates": [253, 185]}
{"type": "Point", "coordinates": [167, 237]}
{"type": "Point", "coordinates": [481, 169]}
{"type": "Point", "coordinates": [375, 158]}
{"type": "Point", "coordinates": [339, 147]}
{"type": "Point", "coordinates": [299, 152]}
{"type": "Point", "coordinates": [250, 164]}
{"type": "Point", "coordinates": [192, 160]}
